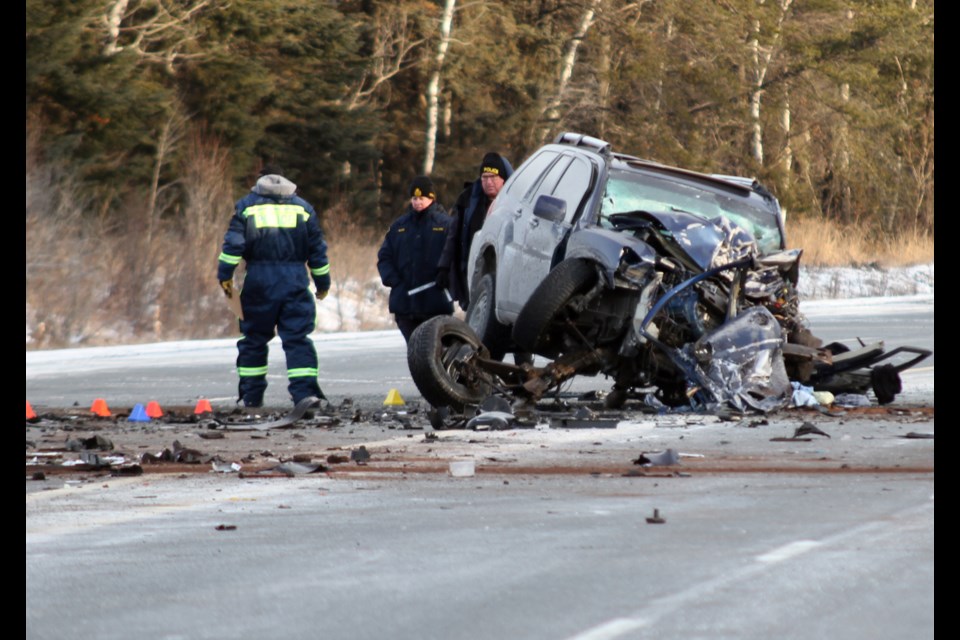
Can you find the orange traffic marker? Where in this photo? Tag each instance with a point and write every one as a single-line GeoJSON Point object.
{"type": "Point", "coordinates": [203, 406]}
{"type": "Point", "coordinates": [153, 409]}
{"type": "Point", "coordinates": [30, 412]}
{"type": "Point", "coordinates": [99, 408]}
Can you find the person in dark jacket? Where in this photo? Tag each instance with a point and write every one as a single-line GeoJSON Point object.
{"type": "Point", "coordinates": [469, 213]}
{"type": "Point", "coordinates": [276, 232]}
{"type": "Point", "coordinates": [407, 260]}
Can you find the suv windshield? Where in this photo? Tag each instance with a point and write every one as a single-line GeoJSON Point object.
{"type": "Point", "coordinates": [628, 191]}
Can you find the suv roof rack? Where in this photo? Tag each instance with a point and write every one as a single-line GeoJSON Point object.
{"type": "Point", "coordinates": [580, 140]}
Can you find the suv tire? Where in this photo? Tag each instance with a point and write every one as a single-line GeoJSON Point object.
{"type": "Point", "coordinates": [438, 348]}
{"type": "Point", "coordinates": [546, 304]}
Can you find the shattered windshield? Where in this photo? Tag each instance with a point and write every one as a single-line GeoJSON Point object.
{"type": "Point", "coordinates": [628, 191]}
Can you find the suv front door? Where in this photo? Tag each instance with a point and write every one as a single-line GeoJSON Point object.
{"type": "Point", "coordinates": [536, 239]}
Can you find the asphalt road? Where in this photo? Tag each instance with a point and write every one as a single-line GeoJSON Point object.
{"type": "Point", "coordinates": [762, 537]}
{"type": "Point", "coordinates": [365, 365]}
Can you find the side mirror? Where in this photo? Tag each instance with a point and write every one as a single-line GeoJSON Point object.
{"type": "Point", "coordinates": [550, 208]}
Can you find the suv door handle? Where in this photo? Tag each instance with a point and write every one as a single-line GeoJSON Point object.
{"type": "Point", "coordinates": [518, 213]}
{"type": "Point", "coordinates": [534, 222]}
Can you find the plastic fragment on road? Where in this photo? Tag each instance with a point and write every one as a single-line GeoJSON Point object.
{"type": "Point", "coordinates": [464, 468]}
{"type": "Point", "coordinates": [99, 408]}
{"type": "Point", "coordinates": [803, 396]}
{"type": "Point", "coordinates": [825, 398]}
{"type": "Point", "coordinates": [851, 400]}
{"type": "Point", "coordinates": [225, 467]}
{"type": "Point", "coordinates": [660, 459]}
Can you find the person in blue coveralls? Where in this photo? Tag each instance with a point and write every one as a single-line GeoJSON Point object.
{"type": "Point", "coordinates": [407, 260]}
{"type": "Point", "coordinates": [278, 235]}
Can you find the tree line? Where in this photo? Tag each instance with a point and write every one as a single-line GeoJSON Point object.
{"type": "Point", "coordinates": [830, 102]}
{"type": "Point", "coordinates": [155, 115]}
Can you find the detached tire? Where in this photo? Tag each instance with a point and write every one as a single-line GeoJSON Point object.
{"type": "Point", "coordinates": [436, 356]}
{"type": "Point", "coordinates": [546, 306]}
{"type": "Point", "coordinates": [483, 320]}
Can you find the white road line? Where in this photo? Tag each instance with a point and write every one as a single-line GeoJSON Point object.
{"type": "Point", "coordinates": [891, 525]}
{"type": "Point", "coordinates": [788, 551]}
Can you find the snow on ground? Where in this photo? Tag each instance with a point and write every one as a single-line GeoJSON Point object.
{"type": "Point", "coordinates": [868, 281]}
{"type": "Point", "coordinates": [362, 308]}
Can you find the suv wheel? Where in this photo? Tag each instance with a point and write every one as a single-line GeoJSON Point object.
{"type": "Point", "coordinates": [482, 319]}
{"type": "Point", "coordinates": [439, 356]}
{"type": "Point", "coordinates": [547, 304]}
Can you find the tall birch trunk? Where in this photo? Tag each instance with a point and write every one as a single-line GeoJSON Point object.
{"type": "Point", "coordinates": [552, 110]}
{"type": "Point", "coordinates": [785, 123]}
{"type": "Point", "coordinates": [433, 87]}
{"type": "Point", "coordinates": [761, 63]}
{"type": "Point", "coordinates": [658, 103]}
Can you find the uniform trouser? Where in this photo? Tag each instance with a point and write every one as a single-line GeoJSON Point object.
{"type": "Point", "coordinates": [407, 323]}
{"type": "Point", "coordinates": [293, 318]}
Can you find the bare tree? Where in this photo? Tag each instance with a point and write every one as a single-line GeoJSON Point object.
{"type": "Point", "coordinates": [552, 109]}
{"type": "Point", "coordinates": [393, 44]}
{"type": "Point", "coordinates": [170, 135]}
{"type": "Point", "coordinates": [433, 87]}
{"type": "Point", "coordinates": [761, 63]}
{"type": "Point", "coordinates": [157, 31]}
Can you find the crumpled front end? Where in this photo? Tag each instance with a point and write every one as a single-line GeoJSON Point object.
{"type": "Point", "coordinates": [740, 363]}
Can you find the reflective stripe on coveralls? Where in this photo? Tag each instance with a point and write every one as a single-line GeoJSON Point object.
{"type": "Point", "coordinates": [248, 372]}
{"type": "Point", "coordinates": [282, 216]}
{"type": "Point", "coordinates": [303, 372]}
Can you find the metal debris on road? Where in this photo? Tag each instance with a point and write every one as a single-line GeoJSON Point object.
{"type": "Point", "coordinates": [656, 519]}
{"type": "Point", "coordinates": [659, 459]}
{"type": "Point", "coordinates": [360, 455]}
{"type": "Point", "coordinates": [496, 420]}
{"type": "Point", "coordinates": [808, 428]}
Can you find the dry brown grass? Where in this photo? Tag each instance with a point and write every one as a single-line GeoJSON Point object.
{"type": "Point", "coordinates": [827, 244]}
{"type": "Point", "coordinates": [360, 298]}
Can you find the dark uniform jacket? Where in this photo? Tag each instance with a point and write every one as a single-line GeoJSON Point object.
{"type": "Point", "coordinates": [469, 213]}
{"type": "Point", "coordinates": [408, 259]}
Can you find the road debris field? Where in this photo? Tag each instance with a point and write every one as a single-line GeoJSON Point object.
{"type": "Point", "coordinates": [575, 522]}
{"type": "Point", "coordinates": [567, 434]}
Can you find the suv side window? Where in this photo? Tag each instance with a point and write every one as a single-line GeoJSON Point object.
{"type": "Point", "coordinates": [550, 180]}
{"type": "Point", "coordinates": [530, 173]}
{"type": "Point", "coordinates": [573, 185]}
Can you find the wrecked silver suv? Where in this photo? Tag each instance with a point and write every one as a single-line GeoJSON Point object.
{"type": "Point", "coordinates": [673, 283]}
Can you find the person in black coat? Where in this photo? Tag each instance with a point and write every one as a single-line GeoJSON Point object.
{"type": "Point", "coordinates": [407, 260]}
{"type": "Point", "coordinates": [468, 215]}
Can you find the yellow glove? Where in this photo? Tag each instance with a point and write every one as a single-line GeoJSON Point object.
{"type": "Point", "coordinates": [322, 294]}
{"type": "Point", "coordinates": [227, 286]}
